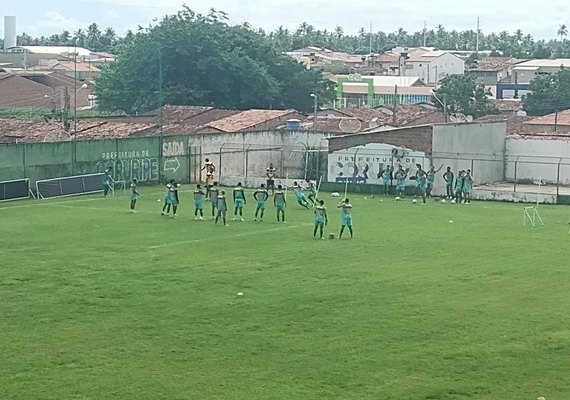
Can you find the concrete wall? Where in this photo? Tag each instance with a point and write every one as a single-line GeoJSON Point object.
{"type": "Point", "coordinates": [244, 157]}
{"type": "Point", "coordinates": [476, 146]}
{"type": "Point", "coordinates": [533, 158]}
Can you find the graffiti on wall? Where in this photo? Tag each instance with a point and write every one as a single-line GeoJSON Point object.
{"type": "Point", "coordinates": [131, 164]}
{"type": "Point", "coordinates": [364, 164]}
{"type": "Point", "coordinates": [171, 151]}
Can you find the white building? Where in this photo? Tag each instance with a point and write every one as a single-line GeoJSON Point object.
{"type": "Point", "coordinates": [526, 71]}
{"type": "Point", "coordinates": [433, 66]}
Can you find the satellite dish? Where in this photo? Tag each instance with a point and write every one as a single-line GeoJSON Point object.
{"type": "Point", "coordinates": [373, 124]}
{"type": "Point", "coordinates": [453, 118]}
{"type": "Point", "coordinates": [469, 118]}
{"type": "Point", "coordinates": [349, 125]}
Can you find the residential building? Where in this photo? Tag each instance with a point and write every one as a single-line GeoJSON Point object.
{"type": "Point", "coordinates": [67, 51]}
{"type": "Point", "coordinates": [358, 90]}
{"type": "Point", "coordinates": [433, 66]}
{"type": "Point", "coordinates": [42, 89]}
{"type": "Point", "coordinates": [491, 70]}
{"type": "Point", "coordinates": [81, 71]}
{"type": "Point", "coordinates": [526, 71]}
{"type": "Point", "coordinates": [250, 120]}
{"type": "Point", "coordinates": [313, 57]}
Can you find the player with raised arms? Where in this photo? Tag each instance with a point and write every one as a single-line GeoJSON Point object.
{"type": "Point", "coordinates": [421, 182]}
{"type": "Point", "coordinates": [321, 218]}
{"type": "Point", "coordinates": [261, 195]}
{"type": "Point", "coordinates": [346, 217]}
{"type": "Point", "coordinates": [239, 201]}
{"type": "Point", "coordinates": [431, 179]}
{"type": "Point", "coordinates": [280, 203]}
{"type": "Point", "coordinates": [271, 172]}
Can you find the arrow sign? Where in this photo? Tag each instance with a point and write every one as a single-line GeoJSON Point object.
{"type": "Point", "coordinates": [172, 165]}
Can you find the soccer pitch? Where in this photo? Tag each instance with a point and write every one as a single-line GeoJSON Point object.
{"type": "Point", "coordinates": [98, 303]}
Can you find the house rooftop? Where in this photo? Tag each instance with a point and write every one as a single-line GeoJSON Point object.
{"type": "Point", "coordinates": [493, 64]}
{"type": "Point", "coordinates": [62, 50]}
{"type": "Point", "coordinates": [555, 63]}
{"type": "Point", "coordinates": [246, 119]}
{"type": "Point", "coordinates": [561, 118]}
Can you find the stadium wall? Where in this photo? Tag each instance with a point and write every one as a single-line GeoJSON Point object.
{"type": "Point", "coordinates": [530, 158]}
{"type": "Point", "coordinates": [476, 146]}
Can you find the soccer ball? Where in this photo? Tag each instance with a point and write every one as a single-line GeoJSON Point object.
{"type": "Point", "coordinates": [443, 201]}
{"type": "Point", "coordinates": [414, 201]}
{"type": "Point", "coordinates": [335, 194]}
{"type": "Point", "coordinates": [453, 201]}
{"type": "Point", "coordinates": [397, 198]}
{"type": "Point", "coordinates": [331, 235]}
{"type": "Point", "coordinates": [372, 196]}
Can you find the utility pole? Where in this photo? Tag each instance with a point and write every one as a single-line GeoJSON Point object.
{"type": "Point", "coordinates": [556, 122]}
{"type": "Point", "coordinates": [315, 110]}
{"type": "Point", "coordinates": [445, 108]}
{"type": "Point", "coordinates": [75, 89]}
{"type": "Point", "coordinates": [65, 113]}
{"type": "Point", "coordinates": [395, 110]}
{"type": "Point", "coordinates": [478, 30]}
{"type": "Point", "coordinates": [425, 33]}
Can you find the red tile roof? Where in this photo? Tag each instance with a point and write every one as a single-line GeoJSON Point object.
{"type": "Point", "coordinates": [492, 64]}
{"type": "Point", "coordinates": [246, 119]}
{"type": "Point", "coordinates": [562, 119]}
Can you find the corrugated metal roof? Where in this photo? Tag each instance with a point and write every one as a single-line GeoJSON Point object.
{"type": "Point", "coordinates": [63, 50]}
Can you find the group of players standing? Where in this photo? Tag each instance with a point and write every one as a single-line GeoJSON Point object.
{"type": "Point", "coordinates": [219, 202]}
{"type": "Point", "coordinates": [458, 188]}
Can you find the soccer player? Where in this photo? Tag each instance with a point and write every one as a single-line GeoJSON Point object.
{"type": "Point", "coordinates": [346, 217]}
{"type": "Point", "coordinates": [261, 195]}
{"type": "Point", "coordinates": [107, 181]}
{"type": "Point", "coordinates": [459, 186]}
{"type": "Point", "coordinates": [239, 201]}
{"type": "Point", "coordinates": [199, 203]}
{"type": "Point", "coordinates": [213, 196]}
{"type": "Point", "coordinates": [386, 179]}
{"type": "Point", "coordinates": [222, 207]}
{"type": "Point", "coordinates": [210, 170]}
{"type": "Point", "coordinates": [448, 178]}
{"type": "Point", "coordinates": [280, 203]}
{"type": "Point", "coordinates": [467, 186]}
{"type": "Point", "coordinates": [321, 219]}
{"type": "Point", "coordinates": [421, 182]}
{"type": "Point", "coordinates": [431, 179]}
{"type": "Point", "coordinates": [134, 195]}
{"type": "Point", "coordinates": [167, 203]}
{"type": "Point", "coordinates": [312, 197]}
{"type": "Point", "coordinates": [400, 176]}
{"type": "Point", "coordinates": [271, 172]}
{"type": "Point", "coordinates": [300, 195]}
{"type": "Point", "coordinates": [174, 200]}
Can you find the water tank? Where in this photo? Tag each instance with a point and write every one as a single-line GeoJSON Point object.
{"type": "Point", "coordinates": [293, 124]}
{"type": "Point", "coordinates": [9, 32]}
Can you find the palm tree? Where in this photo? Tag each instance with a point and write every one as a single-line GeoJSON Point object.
{"type": "Point", "coordinates": [562, 31]}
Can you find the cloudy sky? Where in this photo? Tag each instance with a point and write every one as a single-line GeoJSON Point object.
{"type": "Point", "coordinates": [540, 18]}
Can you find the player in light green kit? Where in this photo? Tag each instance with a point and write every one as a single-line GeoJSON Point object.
{"type": "Point", "coordinates": [167, 204]}
{"type": "Point", "coordinates": [222, 207]}
{"type": "Point", "coordinates": [108, 181]}
{"type": "Point", "coordinates": [431, 179]}
{"type": "Point", "coordinates": [346, 217]}
{"type": "Point", "coordinates": [312, 197]}
{"type": "Point", "coordinates": [134, 195]}
{"type": "Point", "coordinates": [321, 218]}
{"type": "Point", "coordinates": [239, 201]}
{"type": "Point", "coordinates": [213, 198]}
{"type": "Point", "coordinates": [467, 186]}
{"type": "Point", "coordinates": [280, 203]}
{"type": "Point", "coordinates": [400, 176]}
{"type": "Point", "coordinates": [261, 195]}
{"type": "Point", "coordinates": [199, 203]}
{"type": "Point", "coordinates": [300, 195]}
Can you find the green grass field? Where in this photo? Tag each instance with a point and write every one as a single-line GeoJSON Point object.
{"type": "Point", "coordinates": [97, 303]}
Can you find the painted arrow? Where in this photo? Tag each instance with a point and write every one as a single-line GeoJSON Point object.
{"type": "Point", "coordinates": [172, 165]}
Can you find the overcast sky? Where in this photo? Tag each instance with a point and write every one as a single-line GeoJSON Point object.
{"type": "Point", "coordinates": [540, 18]}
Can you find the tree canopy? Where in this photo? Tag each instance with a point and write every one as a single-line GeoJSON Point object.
{"type": "Point", "coordinates": [189, 58]}
{"type": "Point", "coordinates": [463, 94]}
{"type": "Point", "coordinates": [549, 93]}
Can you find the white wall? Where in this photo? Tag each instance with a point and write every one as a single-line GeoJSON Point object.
{"type": "Point", "coordinates": [475, 146]}
{"type": "Point", "coordinates": [538, 158]}
{"type": "Point", "coordinates": [284, 149]}
{"type": "Point", "coordinates": [445, 65]}
{"type": "Point", "coordinates": [371, 158]}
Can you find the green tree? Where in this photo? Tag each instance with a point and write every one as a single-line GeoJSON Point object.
{"type": "Point", "coordinates": [206, 61]}
{"type": "Point", "coordinates": [463, 95]}
{"type": "Point", "coordinates": [562, 31]}
{"type": "Point", "coordinates": [549, 93]}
